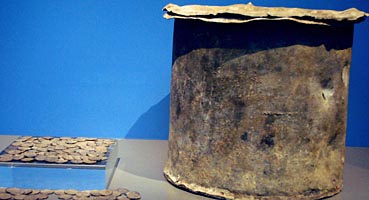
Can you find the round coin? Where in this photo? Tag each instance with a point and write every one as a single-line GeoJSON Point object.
{"type": "Point", "coordinates": [5, 196]}
{"type": "Point", "coordinates": [59, 192]}
{"type": "Point", "coordinates": [17, 144]}
{"type": "Point", "coordinates": [30, 154]}
{"type": "Point", "coordinates": [13, 191]}
{"type": "Point", "coordinates": [19, 197]}
{"type": "Point", "coordinates": [71, 141]}
{"type": "Point", "coordinates": [83, 194]}
{"type": "Point", "coordinates": [42, 196]}
{"type": "Point", "coordinates": [51, 159]}
{"type": "Point", "coordinates": [18, 157]}
{"type": "Point", "coordinates": [27, 159]}
{"type": "Point", "coordinates": [59, 147]}
{"type": "Point", "coordinates": [26, 191]}
{"type": "Point", "coordinates": [95, 192]}
{"type": "Point", "coordinates": [116, 194]}
{"type": "Point", "coordinates": [122, 190]}
{"type": "Point", "coordinates": [88, 161]}
{"type": "Point", "coordinates": [46, 191]}
{"type": "Point", "coordinates": [26, 144]}
{"type": "Point", "coordinates": [23, 148]}
{"type": "Point", "coordinates": [30, 197]}
{"type": "Point", "coordinates": [105, 192]}
{"type": "Point", "coordinates": [35, 192]}
{"type": "Point", "coordinates": [24, 138]}
{"type": "Point", "coordinates": [6, 158]}
{"type": "Point", "coordinates": [61, 161]}
{"type": "Point", "coordinates": [133, 195]}
{"type": "Point", "coordinates": [14, 152]}
{"type": "Point", "coordinates": [40, 158]}
{"type": "Point", "coordinates": [71, 192]}
{"type": "Point", "coordinates": [122, 198]}
{"type": "Point", "coordinates": [90, 139]}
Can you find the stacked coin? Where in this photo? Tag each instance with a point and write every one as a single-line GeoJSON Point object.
{"type": "Point", "coordinates": [120, 194]}
{"type": "Point", "coordinates": [27, 194]}
{"type": "Point", "coordinates": [57, 150]}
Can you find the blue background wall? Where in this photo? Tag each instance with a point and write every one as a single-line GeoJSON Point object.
{"type": "Point", "coordinates": [102, 68]}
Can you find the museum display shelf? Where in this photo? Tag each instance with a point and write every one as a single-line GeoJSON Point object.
{"type": "Point", "coordinates": [62, 175]}
{"type": "Point", "coordinates": [138, 165]}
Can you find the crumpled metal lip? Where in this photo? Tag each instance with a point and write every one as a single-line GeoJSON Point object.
{"type": "Point", "coordinates": [243, 13]}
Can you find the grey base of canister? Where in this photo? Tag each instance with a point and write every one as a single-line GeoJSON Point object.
{"type": "Point", "coordinates": [225, 194]}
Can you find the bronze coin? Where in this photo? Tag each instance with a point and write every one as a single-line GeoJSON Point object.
{"type": "Point", "coordinates": [60, 147]}
{"type": "Point", "coordinates": [43, 145]}
{"type": "Point", "coordinates": [61, 161]}
{"type": "Point", "coordinates": [26, 191]}
{"type": "Point", "coordinates": [46, 191]}
{"type": "Point", "coordinates": [74, 161]}
{"type": "Point", "coordinates": [31, 197]}
{"type": "Point", "coordinates": [42, 153]}
{"type": "Point", "coordinates": [71, 141]}
{"type": "Point", "coordinates": [30, 154]}
{"type": "Point", "coordinates": [24, 148]}
{"type": "Point", "coordinates": [35, 192]}
{"type": "Point", "coordinates": [71, 192]}
{"type": "Point", "coordinates": [24, 138]}
{"type": "Point", "coordinates": [13, 151]}
{"type": "Point", "coordinates": [122, 190]}
{"type": "Point", "coordinates": [59, 192]}
{"type": "Point", "coordinates": [51, 159]}
{"type": "Point", "coordinates": [17, 144]}
{"type": "Point", "coordinates": [42, 196]}
{"type": "Point", "coordinates": [26, 144]}
{"type": "Point", "coordinates": [92, 154]}
{"type": "Point", "coordinates": [105, 192]}
{"type": "Point", "coordinates": [27, 159]}
{"type": "Point", "coordinates": [95, 158]}
{"type": "Point", "coordinates": [83, 194]}
{"type": "Point", "coordinates": [95, 192]}
{"type": "Point", "coordinates": [88, 161]}
{"type": "Point", "coordinates": [67, 157]}
{"type": "Point", "coordinates": [68, 146]}
{"type": "Point", "coordinates": [13, 191]}
{"type": "Point", "coordinates": [40, 158]}
{"type": "Point", "coordinates": [122, 198]}
{"type": "Point", "coordinates": [41, 149]}
{"type": "Point", "coordinates": [101, 149]}
{"type": "Point", "coordinates": [5, 196]}
{"type": "Point", "coordinates": [19, 196]}
{"type": "Point", "coordinates": [116, 194]}
{"type": "Point", "coordinates": [65, 196]}
{"type": "Point", "coordinates": [133, 195]}
{"type": "Point", "coordinates": [6, 158]}
{"type": "Point", "coordinates": [90, 139]}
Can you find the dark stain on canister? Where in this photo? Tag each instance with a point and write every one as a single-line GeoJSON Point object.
{"type": "Point", "coordinates": [244, 136]}
{"type": "Point", "coordinates": [267, 141]}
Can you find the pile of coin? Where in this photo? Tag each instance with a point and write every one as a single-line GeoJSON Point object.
{"type": "Point", "coordinates": [119, 194]}
{"type": "Point", "coordinates": [27, 194]}
{"type": "Point", "coordinates": [57, 150]}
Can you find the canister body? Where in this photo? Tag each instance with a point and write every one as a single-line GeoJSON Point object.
{"type": "Point", "coordinates": [258, 110]}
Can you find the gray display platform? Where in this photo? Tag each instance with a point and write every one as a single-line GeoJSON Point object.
{"type": "Point", "coordinates": [142, 161]}
{"type": "Point", "coordinates": [138, 165]}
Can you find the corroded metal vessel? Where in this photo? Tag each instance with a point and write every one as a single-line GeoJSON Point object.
{"type": "Point", "coordinates": [259, 100]}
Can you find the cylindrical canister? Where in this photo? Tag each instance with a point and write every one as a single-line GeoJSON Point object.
{"type": "Point", "coordinates": [258, 100]}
